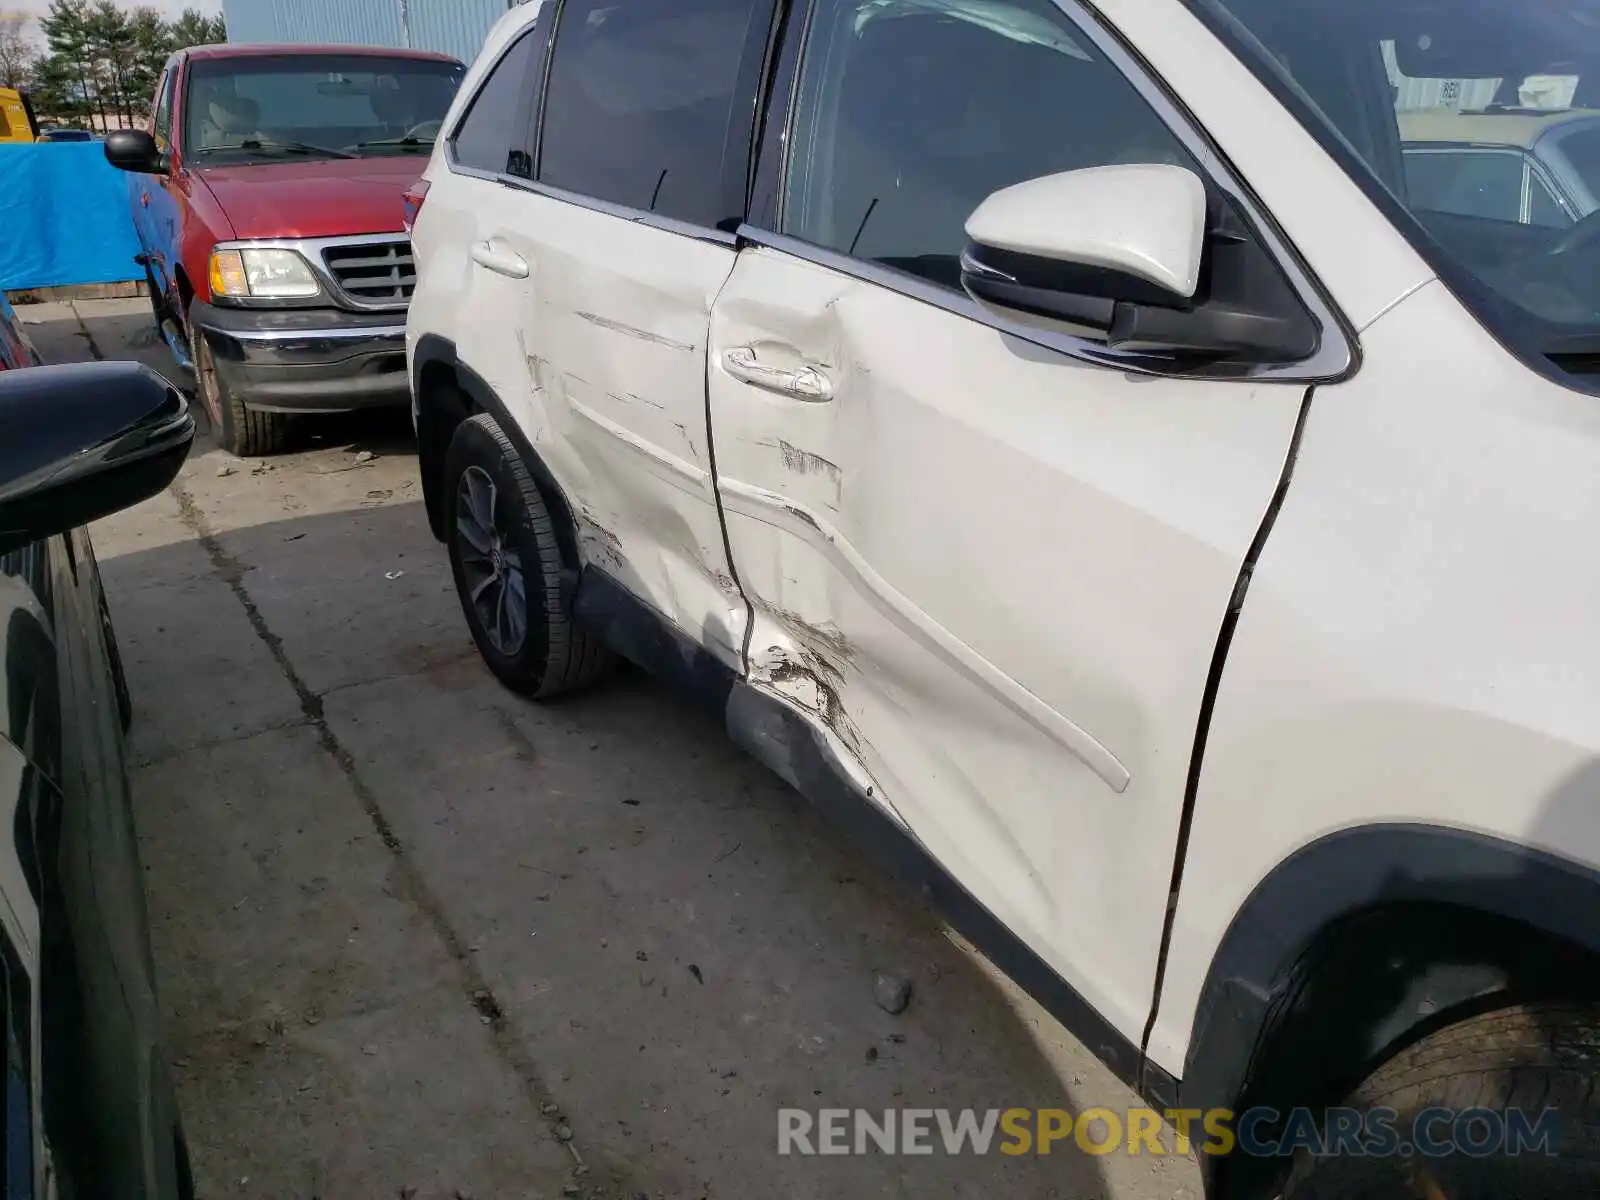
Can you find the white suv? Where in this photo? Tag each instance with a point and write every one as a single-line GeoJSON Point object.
{"type": "Point", "coordinates": [1052, 441]}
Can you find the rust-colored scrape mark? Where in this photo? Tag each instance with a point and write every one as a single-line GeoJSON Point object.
{"type": "Point", "coordinates": [644, 335]}
{"type": "Point", "coordinates": [605, 547]}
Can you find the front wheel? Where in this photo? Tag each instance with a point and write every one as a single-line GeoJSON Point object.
{"type": "Point", "coordinates": [240, 431]}
{"type": "Point", "coordinates": [507, 566]}
{"type": "Point", "coordinates": [1500, 1106]}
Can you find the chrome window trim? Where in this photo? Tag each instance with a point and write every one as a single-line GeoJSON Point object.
{"type": "Point", "coordinates": [311, 250]}
{"type": "Point", "coordinates": [1338, 352]}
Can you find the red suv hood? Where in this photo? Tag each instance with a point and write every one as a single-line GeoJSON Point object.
{"type": "Point", "coordinates": [314, 199]}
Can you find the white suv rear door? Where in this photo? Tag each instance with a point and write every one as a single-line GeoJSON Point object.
{"type": "Point", "coordinates": [626, 235]}
{"type": "Point", "coordinates": [991, 568]}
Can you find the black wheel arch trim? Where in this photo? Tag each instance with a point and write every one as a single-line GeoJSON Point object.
{"type": "Point", "coordinates": [1365, 869]}
{"type": "Point", "coordinates": [433, 351]}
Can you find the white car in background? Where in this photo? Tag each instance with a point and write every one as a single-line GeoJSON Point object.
{"type": "Point", "coordinates": [1505, 165]}
{"type": "Point", "coordinates": [1047, 436]}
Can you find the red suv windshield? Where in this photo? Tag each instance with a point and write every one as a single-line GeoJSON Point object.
{"type": "Point", "coordinates": [242, 110]}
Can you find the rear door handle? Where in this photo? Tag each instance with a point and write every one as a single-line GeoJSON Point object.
{"type": "Point", "coordinates": [501, 261]}
{"type": "Point", "coordinates": [802, 383]}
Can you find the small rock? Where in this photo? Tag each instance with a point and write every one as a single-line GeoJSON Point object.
{"type": "Point", "coordinates": [367, 456]}
{"type": "Point", "coordinates": [695, 971]}
{"type": "Point", "coordinates": [407, 1193]}
{"type": "Point", "coordinates": [641, 956]}
{"type": "Point", "coordinates": [224, 472]}
{"type": "Point", "coordinates": [897, 1038]}
{"type": "Point", "coordinates": [463, 1194]}
{"type": "Point", "coordinates": [572, 1189]}
{"type": "Point", "coordinates": [872, 1054]}
{"type": "Point", "coordinates": [550, 1108]}
{"type": "Point", "coordinates": [370, 1050]}
{"type": "Point", "coordinates": [311, 1018]}
{"type": "Point", "coordinates": [564, 1133]}
{"type": "Point", "coordinates": [892, 992]}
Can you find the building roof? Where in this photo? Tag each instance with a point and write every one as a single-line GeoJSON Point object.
{"type": "Point", "coordinates": [1515, 128]}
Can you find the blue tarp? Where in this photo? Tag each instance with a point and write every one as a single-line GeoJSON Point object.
{"type": "Point", "coordinates": [64, 217]}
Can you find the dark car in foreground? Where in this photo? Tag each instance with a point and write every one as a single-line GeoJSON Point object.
{"type": "Point", "coordinates": [90, 1109]}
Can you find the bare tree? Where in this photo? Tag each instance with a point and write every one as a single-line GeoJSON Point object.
{"type": "Point", "coordinates": [16, 48]}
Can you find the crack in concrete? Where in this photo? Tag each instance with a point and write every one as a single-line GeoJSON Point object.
{"type": "Point", "coordinates": [414, 888]}
{"type": "Point", "coordinates": [83, 331]}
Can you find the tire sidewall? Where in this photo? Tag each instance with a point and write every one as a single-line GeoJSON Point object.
{"type": "Point", "coordinates": [474, 446]}
{"type": "Point", "coordinates": [210, 396]}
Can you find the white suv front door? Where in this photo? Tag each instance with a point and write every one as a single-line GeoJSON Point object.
{"type": "Point", "coordinates": [994, 572]}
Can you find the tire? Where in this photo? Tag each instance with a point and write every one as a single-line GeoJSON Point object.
{"type": "Point", "coordinates": [498, 527]}
{"type": "Point", "coordinates": [239, 430]}
{"type": "Point", "coordinates": [1533, 1058]}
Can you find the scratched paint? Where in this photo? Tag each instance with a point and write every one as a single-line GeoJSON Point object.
{"type": "Point", "coordinates": [634, 331]}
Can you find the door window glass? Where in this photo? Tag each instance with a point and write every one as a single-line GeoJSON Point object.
{"type": "Point", "coordinates": [493, 137]}
{"type": "Point", "coordinates": [1468, 183]}
{"type": "Point", "coordinates": [912, 112]}
{"type": "Point", "coordinates": [162, 125]}
{"type": "Point", "coordinates": [642, 104]}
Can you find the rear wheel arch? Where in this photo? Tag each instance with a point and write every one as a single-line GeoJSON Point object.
{"type": "Point", "coordinates": [447, 393]}
{"type": "Point", "coordinates": [1367, 941]}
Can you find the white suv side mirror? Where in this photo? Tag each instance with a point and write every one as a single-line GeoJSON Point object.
{"type": "Point", "coordinates": [1120, 233]}
{"type": "Point", "coordinates": [1120, 251]}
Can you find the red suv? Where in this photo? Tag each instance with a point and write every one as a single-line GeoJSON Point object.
{"type": "Point", "coordinates": [268, 195]}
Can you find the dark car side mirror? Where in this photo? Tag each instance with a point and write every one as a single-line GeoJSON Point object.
{"type": "Point", "coordinates": [81, 442]}
{"type": "Point", "coordinates": [135, 150]}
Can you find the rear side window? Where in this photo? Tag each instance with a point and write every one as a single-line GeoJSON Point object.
{"type": "Point", "coordinates": [494, 136]}
{"type": "Point", "coordinates": [645, 104]}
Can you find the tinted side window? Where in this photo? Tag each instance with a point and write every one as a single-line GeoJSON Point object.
{"type": "Point", "coordinates": [162, 126]}
{"type": "Point", "coordinates": [493, 136]}
{"type": "Point", "coordinates": [643, 102]}
{"type": "Point", "coordinates": [911, 112]}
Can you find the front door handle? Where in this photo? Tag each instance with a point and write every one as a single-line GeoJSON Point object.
{"type": "Point", "coordinates": [802, 383]}
{"type": "Point", "coordinates": [501, 261]}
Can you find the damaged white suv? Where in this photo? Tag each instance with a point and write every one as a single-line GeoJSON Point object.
{"type": "Point", "coordinates": [1049, 435]}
